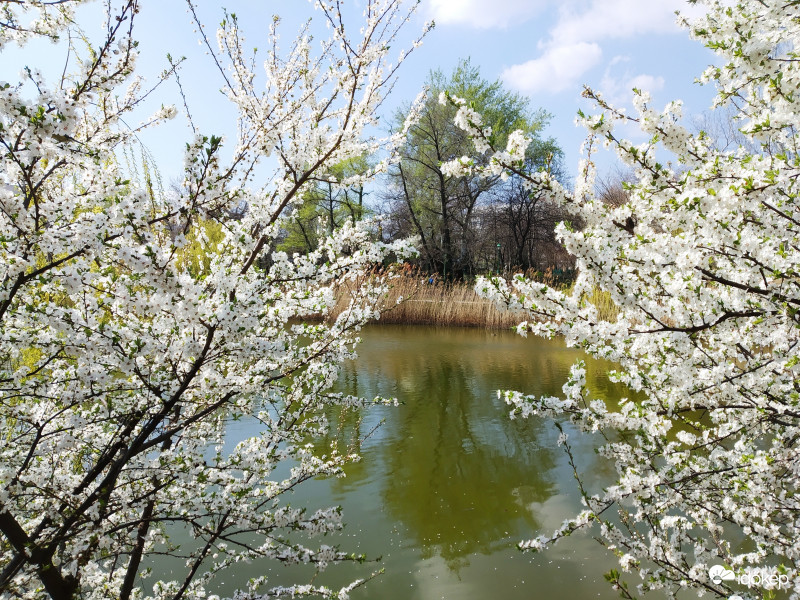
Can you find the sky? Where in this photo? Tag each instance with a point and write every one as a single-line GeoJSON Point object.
{"type": "Point", "coordinates": [549, 50]}
{"type": "Point", "coordinates": [543, 49]}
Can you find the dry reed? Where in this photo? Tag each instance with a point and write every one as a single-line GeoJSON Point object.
{"type": "Point", "coordinates": [455, 304]}
{"type": "Point", "coordinates": [437, 303]}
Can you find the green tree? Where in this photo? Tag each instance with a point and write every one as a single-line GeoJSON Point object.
{"type": "Point", "coordinates": [335, 198]}
{"type": "Point", "coordinates": [443, 210]}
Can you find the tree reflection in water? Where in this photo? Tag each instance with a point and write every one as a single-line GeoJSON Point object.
{"type": "Point", "coordinates": [459, 475]}
{"type": "Point", "coordinates": [449, 484]}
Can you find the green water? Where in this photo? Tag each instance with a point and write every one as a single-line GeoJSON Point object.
{"type": "Point", "coordinates": [449, 484]}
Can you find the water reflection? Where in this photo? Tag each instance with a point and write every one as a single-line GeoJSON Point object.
{"type": "Point", "coordinates": [449, 484]}
{"type": "Point", "coordinates": [455, 464]}
{"type": "Point", "coordinates": [460, 476]}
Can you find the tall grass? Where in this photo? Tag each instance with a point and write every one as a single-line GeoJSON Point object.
{"type": "Point", "coordinates": [447, 304]}
{"type": "Point", "coordinates": [437, 303]}
{"type": "Point", "coordinates": [456, 304]}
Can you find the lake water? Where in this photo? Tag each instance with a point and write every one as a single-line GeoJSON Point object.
{"type": "Point", "coordinates": [449, 484]}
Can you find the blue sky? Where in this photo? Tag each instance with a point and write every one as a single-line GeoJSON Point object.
{"type": "Point", "coordinates": [548, 50]}
{"type": "Point", "coordinates": [543, 49]}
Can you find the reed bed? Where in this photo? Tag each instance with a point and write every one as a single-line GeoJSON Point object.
{"type": "Point", "coordinates": [445, 304]}
{"type": "Point", "coordinates": [455, 304]}
{"type": "Point", "coordinates": [437, 303]}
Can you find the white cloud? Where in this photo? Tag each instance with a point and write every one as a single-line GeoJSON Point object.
{"type": "Point", "coordinates": [579, 20]}
{"type": "Point", "coordinates": [646, 83]}
{"type": "Point", "coordinates": [617, 88]}
{"type": "Point", "coordinates": [572, 46]}
{"type": "Point", "coordinates": [613, 19]}
{"type": "Point", "coordinates": [558, 69]}
{"type": "Point", "coordinates": [618, 82]}
{"type": "Point", "coordinates": [484, 14]}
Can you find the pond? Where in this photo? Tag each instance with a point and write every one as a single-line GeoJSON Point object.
{"type": "Point", "coordinates": [449, 484]}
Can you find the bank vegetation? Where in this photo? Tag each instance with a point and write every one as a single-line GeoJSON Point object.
{"type": "Point", "coordinates": [419, 299]}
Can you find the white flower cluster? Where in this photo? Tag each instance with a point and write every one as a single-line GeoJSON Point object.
{"type": "Point", "coordinates": [135, 326]}
{"type": "Point", "coordinates": [702, 264]}
{"type": "Point", "coordinates": [499, 163]}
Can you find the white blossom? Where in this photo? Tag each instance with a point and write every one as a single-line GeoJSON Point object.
{"type": "Point", "coordinates": [702, 265]}
{"type": "Point", "coordinates": [136, 325]}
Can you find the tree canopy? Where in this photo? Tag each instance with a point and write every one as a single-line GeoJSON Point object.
{"type": "Point", "coordinates": [450, 214]}
{"type": "Point", "coordinates": [336, 198]}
